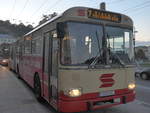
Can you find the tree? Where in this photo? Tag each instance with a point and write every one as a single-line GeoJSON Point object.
{"type": "Point", "coordinates": [47, 17]}
{"type": "Point", "coordinates": [140, 54]}
{"type": "Point", "coordinates": [13, 29]}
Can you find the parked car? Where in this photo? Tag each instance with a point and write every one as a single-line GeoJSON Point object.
{"type": "Point", "coordinates": [3, 61]}
{"type": "Point", "coordinates": [143, 73]}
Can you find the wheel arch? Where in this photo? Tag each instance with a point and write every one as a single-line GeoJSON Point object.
{"type": "Point", "coordinates": [36, 74]}
{"type": "Point", "coordinates": [17, 70]}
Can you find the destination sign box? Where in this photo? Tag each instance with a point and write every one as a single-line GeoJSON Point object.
{"type": "Point", "coordinates": [103, 15]}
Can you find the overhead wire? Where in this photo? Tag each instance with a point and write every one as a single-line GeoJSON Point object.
{"type": "Point", "coordinates": [39, 8]}
{"type": "Point", "coordinates": [139, 8]}
{"type": "Point", "coordinates": [53, 5]}
{"type": "Point", "coordinates": [146, 5]}
{"type": "Point", "coordinates": [13, 7]}
{"type": "Point", "coordinates": [23, 7]}
{"type": "Point", "coordinates": [136, 6]}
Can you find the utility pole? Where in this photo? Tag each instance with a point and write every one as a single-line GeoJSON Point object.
{"type": "Point", "coordinates": [134, 38]}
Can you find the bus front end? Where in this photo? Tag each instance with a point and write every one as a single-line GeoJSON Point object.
{"type": "Point", "coordinates": [96, 60]}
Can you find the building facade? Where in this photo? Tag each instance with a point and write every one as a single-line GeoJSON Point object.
{"type": "Point", "coordinates": [4, 38]}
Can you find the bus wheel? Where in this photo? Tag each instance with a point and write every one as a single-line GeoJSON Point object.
{"type": "Point", "coordinates": [37, 88]}
{"type": "Point", "coordinates": [144, 76]}
{"type": "Point", "coordinates": [18, 73]}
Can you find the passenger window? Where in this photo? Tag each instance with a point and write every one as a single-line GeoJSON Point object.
{"type": "Point", "coordinates": [28, 45]}
{"type": "Point", "coordinates": [36, 46]}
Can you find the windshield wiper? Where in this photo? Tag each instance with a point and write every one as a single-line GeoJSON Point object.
{"type": "Point", "coordinates": [118, 59]}
{"type": "Point", "coordinates": [94, 62]}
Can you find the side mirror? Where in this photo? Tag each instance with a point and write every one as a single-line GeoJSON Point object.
{"type": "Point", "coordinates": [61, 29]}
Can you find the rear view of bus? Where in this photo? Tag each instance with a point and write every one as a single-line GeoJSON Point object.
{"type": "Point", "coordinates": [96, 60]}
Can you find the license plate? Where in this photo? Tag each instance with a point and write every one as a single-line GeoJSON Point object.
{"type": "Point", "coordinates": [107, 93]}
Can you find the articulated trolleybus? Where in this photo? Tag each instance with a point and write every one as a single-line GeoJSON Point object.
{"type": "Point", "coordinates": [78, 61]}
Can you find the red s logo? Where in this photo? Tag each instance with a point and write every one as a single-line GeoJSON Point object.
{"type": "Point", "coordinates": [107, 80]}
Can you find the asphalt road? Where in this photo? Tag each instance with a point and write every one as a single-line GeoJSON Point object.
{"type": "Point", "coordinates": [17, 97]}
{"type": "Point", "coordinates": [143, 90]}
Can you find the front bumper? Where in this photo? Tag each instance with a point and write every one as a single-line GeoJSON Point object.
{"type": "Point", "coordinates": [93, 104]}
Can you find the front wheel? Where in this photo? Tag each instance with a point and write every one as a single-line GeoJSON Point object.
{"type": "Point", "coordinates": [37, 88]}
{"type": "Point", "coordinates": [144, 76]}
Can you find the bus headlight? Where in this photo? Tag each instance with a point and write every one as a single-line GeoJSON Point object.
{"type": "Point", "coordinates": [131, 86]}
{"type": "Point", "coordinates": [75, 92]}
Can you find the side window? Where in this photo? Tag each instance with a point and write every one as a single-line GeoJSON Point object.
{"type": "Point", "coordinates": [23, 49]}
{"type": "Point", "coordinates": [36, 46]}
{"type": "Point", "coordinates": [17, 49]}
{"type": "Point", "coordinates": [28, 45]}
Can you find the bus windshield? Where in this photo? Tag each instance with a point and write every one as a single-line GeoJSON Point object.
{"type": "Point", "coordinates": [81, 44]}
{"type": "Point", "coordinates": [120, 44]}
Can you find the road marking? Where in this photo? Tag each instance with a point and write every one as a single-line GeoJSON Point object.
{"type": "Point", "coordinates": [143, 103]}
{"type": "Point", "coordinates": [143, 87]}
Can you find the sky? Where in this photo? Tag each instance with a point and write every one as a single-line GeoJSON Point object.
{"type": "Point", "coordinates": [31, 11]}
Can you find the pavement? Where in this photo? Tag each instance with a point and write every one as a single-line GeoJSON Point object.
{"type": "Point", "coordinates": [143, 90]}
{"type": "Point", "coordinates": [17, 97]}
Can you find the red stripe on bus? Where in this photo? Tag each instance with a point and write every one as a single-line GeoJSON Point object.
{"type": "Point", "coordinates": [107, 75]}
{"type": "Point", "coordinates": [106, 85]}
{"type": "Point", "coordinates": [107, 80]}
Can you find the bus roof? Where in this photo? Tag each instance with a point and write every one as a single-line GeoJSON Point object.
{"type": "Point", "coordinates": [89, 13]}
{"type": "Point", "coordinates": [40, 26]}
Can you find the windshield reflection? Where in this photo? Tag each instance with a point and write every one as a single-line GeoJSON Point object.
{"type": "Point", "coordinates": [80, 46]}
{"type": "Point", "coordinates": [85, 44]}
{"type": "Point", "coordinates": [120, 44]}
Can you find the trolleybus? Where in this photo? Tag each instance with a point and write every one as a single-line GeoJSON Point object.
{"type": "Point", "coordinates": [78, 61]}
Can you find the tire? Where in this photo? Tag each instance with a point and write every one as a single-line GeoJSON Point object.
{"type": "Point", "coordinates": [18, 73]}
{"type": "Point", "coordinates": [37, 88]}
{"type": "Point", "coordinates": [144, 76]}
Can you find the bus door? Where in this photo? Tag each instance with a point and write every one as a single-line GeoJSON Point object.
{"type": "Point", "coordinates": [50, 67]}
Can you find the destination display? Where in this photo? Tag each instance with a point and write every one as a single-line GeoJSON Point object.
{"type": "Point", "coordinates": [103, 15]}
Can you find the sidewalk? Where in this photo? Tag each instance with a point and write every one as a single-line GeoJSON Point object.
{"type": "Point", "coordinates": [16, 96]}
